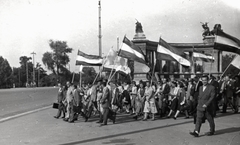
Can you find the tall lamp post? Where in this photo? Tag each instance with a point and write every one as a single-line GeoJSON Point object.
{"type": "Point", "coordinates": [33, 53]}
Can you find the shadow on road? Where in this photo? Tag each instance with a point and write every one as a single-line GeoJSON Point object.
{"type": "Point", "coordinates": [227, 130]}
{"type": "Point", "coordinates": [122, 134]}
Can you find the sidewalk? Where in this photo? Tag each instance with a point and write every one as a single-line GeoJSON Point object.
{"type": "Point", "coordinates": [40, 128]}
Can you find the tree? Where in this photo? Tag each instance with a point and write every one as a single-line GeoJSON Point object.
{"type": "Point", "coordinates": [5, 73]}
{"type": "Point", "coordinates": [40, 74]}
{"type": "Point", "coordinates": [57, 60]}
{"type": "Point", "coordinates": [88, 75]}
{"type": "Point", "coordinates": [26, 68]}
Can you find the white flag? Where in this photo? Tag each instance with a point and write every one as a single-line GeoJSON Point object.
{"type": "Point", "coordinates": [236, 61]}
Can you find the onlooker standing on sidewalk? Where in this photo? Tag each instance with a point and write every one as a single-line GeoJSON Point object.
{"type": "Point", "coordinates": [204, 108]}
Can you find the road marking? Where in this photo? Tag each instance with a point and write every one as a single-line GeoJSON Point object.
{"type": "Point", "coordinates": [25, 113]}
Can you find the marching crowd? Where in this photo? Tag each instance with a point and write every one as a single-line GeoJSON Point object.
{"type": "Point", "coordinates": [146, 100]}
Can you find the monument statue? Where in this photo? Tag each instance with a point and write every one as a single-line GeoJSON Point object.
{"type": "Point", "coordinates": [138, 27]}
{"type": "Point", "coordinates": [206, 31]}
{"type": "Point", "coordinates": [139, 34]}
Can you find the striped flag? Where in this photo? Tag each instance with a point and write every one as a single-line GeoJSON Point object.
{"type": "Point", "coordinates": [90, 60]}
{"type": "Point", "coordinates": [171, 53]}
{"type": "Point", "coordinates": [226, 42]}
{"type": "Point", "coordinates": [203, 57]}
{"type": "Point", "coordinates": [131, 51]}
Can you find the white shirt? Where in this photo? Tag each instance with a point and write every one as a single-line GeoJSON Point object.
{"type": "Point", "coordinates": [204, 87]}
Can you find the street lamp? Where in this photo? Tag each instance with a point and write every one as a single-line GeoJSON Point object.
{"type": "Point", "coordinates": [33, 53]}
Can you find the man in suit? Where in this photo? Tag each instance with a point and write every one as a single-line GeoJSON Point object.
{"type": "Point", "coordinates": [197, 85]}
{"type": "Point", "coordinates": [236, 94]}
{"type": "Point", "coordinates": [227, 93]}
{"type": "Point", "coordinates": [163, 100]}
{"type": "Point", "coordinates": [105, 103]}
{"type": "Point", "coordinates": [69, 101]}
{"type": "Point", "coordinates": [61, 97]}
{"type": "Point", "coordinates": [76, 104]}
{"type": "Point", "coordinates": [214, 83]}
{"type": "Point", "coordinates": [93, 100]}
{"type": "Point", "coordinates": [204, 107]}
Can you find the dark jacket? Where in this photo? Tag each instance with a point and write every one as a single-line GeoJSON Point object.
{"type": "Point", "coordinates": [206, 97]}
{"type": "Point", "coordinates": [105, 100]}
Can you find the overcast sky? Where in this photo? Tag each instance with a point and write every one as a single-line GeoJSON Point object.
{"type": "Point", "coordinates": [28, 25]}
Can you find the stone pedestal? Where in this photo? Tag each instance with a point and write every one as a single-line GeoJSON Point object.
{"type": "Point", "coordinates": [209, 39]}
{"type": "Point", "coordinates": [139, 36]}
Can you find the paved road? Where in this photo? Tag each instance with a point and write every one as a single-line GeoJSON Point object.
{"type": "Point", "coordinates": [19, 100]}
{"type": "Point", "coordinates": [40, 128]}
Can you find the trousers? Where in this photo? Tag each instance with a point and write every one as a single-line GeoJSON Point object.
{"type": "Point", "coordinates": [209, 117]}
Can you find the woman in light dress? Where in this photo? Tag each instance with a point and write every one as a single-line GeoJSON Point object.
{"type": "Point", "coordinates": [149, 104]}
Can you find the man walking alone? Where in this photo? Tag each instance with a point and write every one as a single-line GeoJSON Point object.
{"type": "Point", "coordinates": [204, 107]}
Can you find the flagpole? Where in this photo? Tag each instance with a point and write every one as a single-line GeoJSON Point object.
{"type": "Point", "coordinates": [211, 64]}
{"type": "Point", "coordinates": [96, 78]}
{"type": "Point", "coordinates": [80, 79]}
{"type": "Point", "coordinates": [112, 76]}
{"type": "Point", "coordinates": [73, 77]}
{"type": "Point", "coordinates": [153, 70]}
{"type": "Point", "coordinates": [227, 67]}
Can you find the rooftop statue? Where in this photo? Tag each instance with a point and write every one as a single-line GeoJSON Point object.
{"type": "Point", "coordinates": [217, 27]}
{"type": "Point", "coordinates": [206, 31]}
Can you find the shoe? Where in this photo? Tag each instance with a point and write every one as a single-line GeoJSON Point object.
{"type": "Point", "coordinates": [86, 119]}
{"type": "Point", "coordinates": [56, 117]}
{"type": "Point", "coordinates": [65, 119]}
{"type": "Point", "coordinates": [144, 119]}
{"type": "Point", "coordinates": [71, 121]}
{"type": "Point", "coordinates": [187, 117]}
{"type": "Point", "coordinates": [135, 117]}
{"type": "Point", "coordinates": [152, 119]}
{"type": "Point", "coordinates": [195, 134]}
{"type": "Point", "coordinates": [210, 133]}
{"type": "Point", "coordinates": [174, 118]}
{"type": "Point", "coordinates": [103, 124]}
{"type": "Point", "coordinates": [114, 117]}
{"type": "Point", "coordinates": [99, 122]}
{"type": "Point", "coordinates": [168, 116]}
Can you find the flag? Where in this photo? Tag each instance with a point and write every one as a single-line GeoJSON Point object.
{"type": "Point", "coordinates": [236, 61]}
{"type": "Point", "coordinates": [172, 53]}
{"type": "Point", "coordinates": [203, 57]}
{"type": "Point", "coordinates": [226, 42]}
{"type": "Point", "coordinates": [85, 59]}
{"type": "Point", "coordinates": [131, 51]}
{"type": "Point", "coordinates": [81, 69]}
{"type": "Point", "coordinates": [124, 69]}
{"type": "Point", "coordinates": [115, 62]}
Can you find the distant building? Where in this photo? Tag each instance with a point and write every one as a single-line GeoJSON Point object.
{"type": "Point", "coordinates": [166, 68]}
